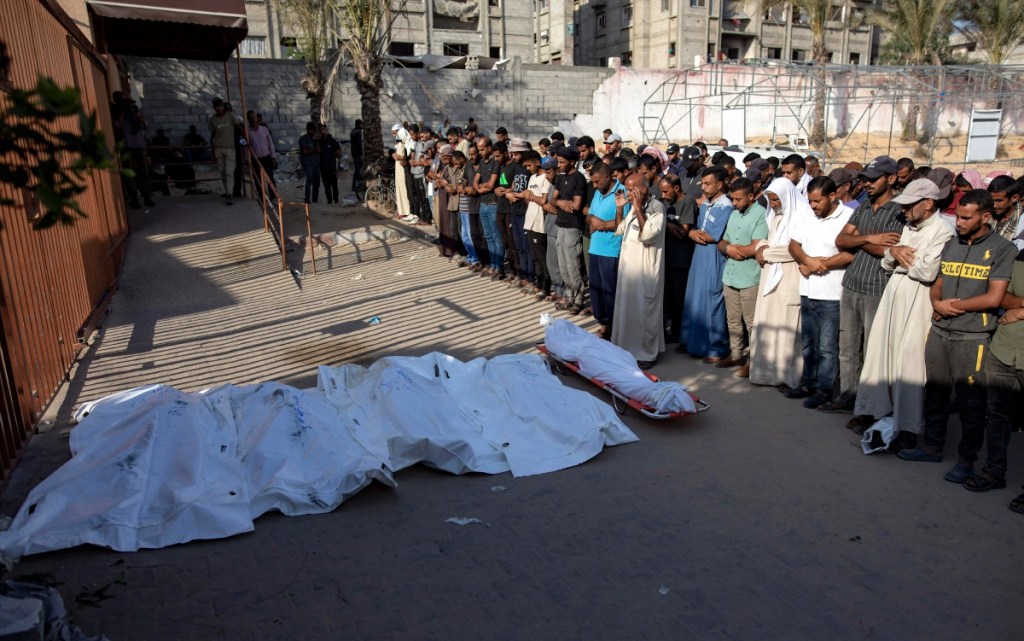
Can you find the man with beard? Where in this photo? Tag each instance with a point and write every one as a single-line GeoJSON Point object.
{"type": "Point", "coordinates": [874, 227]}
{"type": "Point", "coordinates": [638, 292]}
{"type": "Point", "coordinates": [975, 272]}
{"type": "Point", "coordinates": [822, 264]}
{"type": "Point", "coordinates": [893, 378]}
{"type": "Point", "coordinates": [705, 333]}
{"type": "Point", "coordinates": [680, 217]}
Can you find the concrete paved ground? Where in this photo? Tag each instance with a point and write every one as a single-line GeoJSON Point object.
{"type": "Point", "coordinates": [757, 520]}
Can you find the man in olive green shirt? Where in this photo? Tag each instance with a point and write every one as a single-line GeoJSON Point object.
{"type": "Point", "coordinates": [1004, 369]}
{"type": "Point", "coordinates": [742, 275]}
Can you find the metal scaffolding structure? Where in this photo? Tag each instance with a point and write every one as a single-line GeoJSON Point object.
{"type": "Point", "coordinates": [872, 101]}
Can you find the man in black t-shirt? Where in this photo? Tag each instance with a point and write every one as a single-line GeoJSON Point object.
{"type": "Point", "coordinates": [680, 217]}
{"type": "Point", "coordinates": [570, 190]}
{"type": "Point", "coordinates": [519, 178]}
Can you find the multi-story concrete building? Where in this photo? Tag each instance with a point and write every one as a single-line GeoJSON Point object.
{"type": "Point", "coordinates": [490, 28]}
{"type": "Point", "coordinates": [682, 33]}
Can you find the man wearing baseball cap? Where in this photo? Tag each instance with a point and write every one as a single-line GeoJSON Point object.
{"type": "Point", "coordinates": [844, 179]}
{"type": "Point", "coordinates": [874, 227]}
{"type": "Point", "coordinates": [691, 169]}
{"type": "Point", "coordinates": [612, 147]}
{"type": "Point", "coordinates": [893, 377]}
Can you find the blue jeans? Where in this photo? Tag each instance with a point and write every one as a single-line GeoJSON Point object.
{"type": "Point", "coordinates": [604, 271]}
{"type": "Point", "coordinates": [312, 170]}
{"type": "Point", "coordinates": [489, 223]}
{"type": "Point", "coordinates": [467, 238]}
{"type": "Point", "coordinates": [820, 331]}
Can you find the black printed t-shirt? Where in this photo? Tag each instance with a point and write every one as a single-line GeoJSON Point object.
{"type": "Point", "coordinates": [966, 272]}
{"type": "Point", "coordinates": [520, 179]}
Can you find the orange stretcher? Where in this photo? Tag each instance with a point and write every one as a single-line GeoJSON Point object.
{"type": "Point", "coordinates": [620, 401]}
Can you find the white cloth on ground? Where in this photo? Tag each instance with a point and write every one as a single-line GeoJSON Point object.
{"type": "Point", "coordinates": [612, 365]}
{"type": "Point", "coordinates": [155, 466]}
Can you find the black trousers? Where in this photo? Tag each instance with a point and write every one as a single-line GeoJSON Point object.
{"type": "Point", "coordinates": [267, 162]}
{"type": "Point", "coordinates": [329, 176]}
{"type": "Point", "coordinates": [418, 203]}
{"type": "Point", "coordinates": [954, 366]}
{"type": "Point", "coordinates": [539, 249]}
{"type": "Point", "coordinates": [675, 294]}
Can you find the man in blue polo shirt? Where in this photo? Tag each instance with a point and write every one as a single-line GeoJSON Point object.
{"type": "Point", "coordinates": [603, 219]}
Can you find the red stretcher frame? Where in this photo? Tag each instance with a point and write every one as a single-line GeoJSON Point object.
{"type": "Point", "coordinates": [620, 401]}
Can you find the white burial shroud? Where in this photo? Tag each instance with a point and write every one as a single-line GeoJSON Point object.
{"type": "Point", "coordinates": [155, 466]}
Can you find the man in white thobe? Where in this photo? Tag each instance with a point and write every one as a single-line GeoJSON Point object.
{"type": "Point", "coordinates": [893, 377]}
{"type": "Point", "coordinates": [637, 326]}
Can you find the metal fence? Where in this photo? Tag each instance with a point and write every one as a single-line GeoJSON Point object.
{"type": "Point", "coordinates": [54, 284]}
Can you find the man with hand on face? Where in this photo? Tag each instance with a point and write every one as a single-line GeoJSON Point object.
{"type": "Point", "coordinates": [813, 245]}
{"type": "Point", "coordinates": [975, 272]}
{"type": "Point", "coordinates": [639, 292]}
{"type": "Point", "coordinates": [874, 227]}
{"type": "Point", "coordinates": [892, 380]}
{"type": "Point", "coordinates": [705, 334]}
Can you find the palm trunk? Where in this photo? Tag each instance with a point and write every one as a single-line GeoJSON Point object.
{"type": "Point", "coordinates": [820, 53]}
{"type": "Point", "coordinates": [373, 142]}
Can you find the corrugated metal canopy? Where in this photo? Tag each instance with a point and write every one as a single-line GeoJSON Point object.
{"type": "Point", "coordinates": [194, 29]}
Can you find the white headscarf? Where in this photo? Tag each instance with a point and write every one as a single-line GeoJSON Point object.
{"type": "Point", "coordinates": [794, 209]}
{"type": "Point", "coordinates": [406, 140]}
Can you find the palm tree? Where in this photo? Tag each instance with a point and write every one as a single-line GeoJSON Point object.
{"type": "Point", "coordinates": [918, 30]}
{"type": "Point", "coordinates": [997, 26]}
{"type": "Point", "coordinates": [365, 37]}
{"type": "Point", "coordinates": [310, 18]}
{"type": "Point", "coordinates": [818, 15]}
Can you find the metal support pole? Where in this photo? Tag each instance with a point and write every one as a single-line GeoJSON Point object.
{"type": "Point", "coordinates": [311, 242]}
{"type": "Point", "coordinates": [280, 224]}
{"type": "Point", "coordinates": [227, 83]}
{"type": "Point", "coordinates": [245, 120]}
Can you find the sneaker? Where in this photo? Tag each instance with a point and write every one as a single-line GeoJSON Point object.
{"type": "Point", "coordinates": [960, 473]}
{"type": "Point", "coordinates": [919, 455]}
{"type": "Point", "coordinates": [815, 400]}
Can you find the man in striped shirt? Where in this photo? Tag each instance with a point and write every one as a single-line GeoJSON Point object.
{"type": "Point", "coordinates": [874, 227]}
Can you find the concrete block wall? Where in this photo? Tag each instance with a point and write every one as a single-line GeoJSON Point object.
{"type": "Point", "coordinates": [529, 100]}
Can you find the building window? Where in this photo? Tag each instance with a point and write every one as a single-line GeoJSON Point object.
{"type": "Point", "coordinates": [602, 62]}
{"type": "Point", "coordinates": [775, 14]}
{"type": "Point", "coordinates": [627, 58]}
{"type": "Point", "coordinates": [602, 20]}
{"type": "Point", "coordinates": [671, 49]}
{"type": "Point", "coordinates": [697, 3]}
{"type": "Point", "coordinates": [774, 53]}
{"type": "Point", "coordinates": [799, 55]}
{"type": "Point", "coordinates": [838, 13]}
{"type": "Point", "coordinates": [733, 53]}
{"type": "Point", "coordinates": [854, 58]}
{"type": "Point", "coordinates": [544, 36]}
{"type": "Point", "coordinates": [798, 17]}
{"type": "Point", "coordinates": [627, 16]}
{"type": "Point", "coordinates": [494, 3]}
{"type": "Point", "coordinates": [253, 46]}
{"type": "Point", "coordinates": [496, 52]}
{"type": "Point", "coordinates": [665, 5]}
{"type": "Point", "coordinates": [402, 49]}
{"type": "Point", "coordinates": [456, 49]}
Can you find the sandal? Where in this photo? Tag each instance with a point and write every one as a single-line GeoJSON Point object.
{"type": "Point", "coordinates": [983, 483]}
{"type": "Point", "coordinates": [860, 424]}
{"type": "Point", "coordinates": [835, 406]}
{"type": "Point", "coordinates": [1017, 504]}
